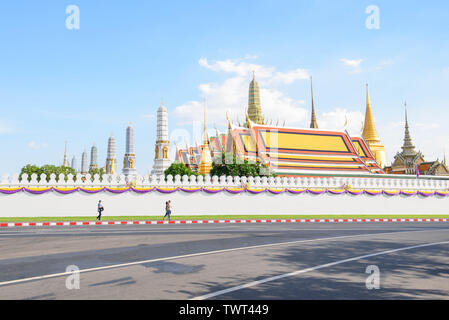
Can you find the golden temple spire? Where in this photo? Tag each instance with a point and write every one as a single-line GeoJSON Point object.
{"type": "Point", "coordinates": [254, 108]}
{"type": "Point", "coordinates": [205, 165]}
{"type": "Point", "coordinates": [369, 129]}
{"type": "Point", "coordinates": [313, 122]}
{"type": "Point", "coordinates": [369, 133]}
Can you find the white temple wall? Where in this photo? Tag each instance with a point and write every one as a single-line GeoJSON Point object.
{"type": "Point", "coordinates": [130, 203]}
{"type": "Point", "coordinates": [52, 204]}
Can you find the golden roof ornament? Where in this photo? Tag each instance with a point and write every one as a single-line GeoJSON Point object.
{"type": "Point", "coordinates": [313, 122]}
{"type": "Point", "coordinates": [369, 129]}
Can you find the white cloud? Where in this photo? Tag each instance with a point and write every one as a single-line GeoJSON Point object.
{"type": "Point", "coordinates": [277, 106]}
{"type": "Point", "coordinates": [352, 63]}
{"type": "Point", "coordinates": [238, 67]}
{"type": "Point", "coordinates": [5, 128]}
{"type": "Point", "coordinates": [336, 120]}
{"type": "Point", "coordinates": [265, 75]}
{"type": "Point", "coordinates": [188, 112]}
{"type": "Point", "coordinates": [290, 76]}
{"type": "Point", "coordinates": [37, 146]}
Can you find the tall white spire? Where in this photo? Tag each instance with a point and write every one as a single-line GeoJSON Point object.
{"type": "Point", "coordinates": [162, 123]}
{"type": "Point", "coordinates": [129, 160]}
{"type": "Point", "coordinates": [84, 164]}
{"type": "Point", "coordinates": [66, 160]}
{"type": "Point", "coordinates": [162, 148]}
{"type": "Point", "coordinates": [111, 158]}
{"type": "Point", "coordinates": [74, 164]}
{"type": "Point", "coordinates": [93, 157]}
{"type": "Point", "coordinates": [130, 139]}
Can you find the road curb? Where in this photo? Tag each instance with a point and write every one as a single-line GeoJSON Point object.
{"type": "Point", "coordinates": [156, 222]}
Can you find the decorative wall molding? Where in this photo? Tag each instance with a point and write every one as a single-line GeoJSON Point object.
{"type": "Point", "coordinates": [149, 181]}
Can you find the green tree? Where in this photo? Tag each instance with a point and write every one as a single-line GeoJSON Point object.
{"type": "Point", "coordinates": [229, 165]}
{"type": "Point", "coordinates": [48, 169]}
{"type": "Point", "coordinates": [94, 171]}
{"type": "Point", "coordinates": [29, 169]}
{"type": "Point", "coordinates": [177, 168]}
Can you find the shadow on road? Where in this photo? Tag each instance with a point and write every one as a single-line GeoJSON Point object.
{"type": "Point", "coordinates": [421, 273]}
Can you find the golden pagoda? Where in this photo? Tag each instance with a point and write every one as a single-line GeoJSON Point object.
{"type": "Point", "coordinates": [205, 165]}
{"type": "Point", "coordinates": [254, 108]}
{"type": "Point", "coordinates": [371, 136]}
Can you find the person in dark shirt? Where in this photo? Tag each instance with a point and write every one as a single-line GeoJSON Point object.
{"type": "Point", "coordinates": [100, 210]}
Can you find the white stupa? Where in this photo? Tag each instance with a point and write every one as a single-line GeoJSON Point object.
{"type": "Point", "coordinates": [162, 149]}
{"type": "Point", "coordinates": [74, 164]}
{"type": "Point", "coordinates": [84, 164]}
{"type": "Point", "coordinates": [110, 158]}
{"type": "Point", "coordinates": [129, 160]}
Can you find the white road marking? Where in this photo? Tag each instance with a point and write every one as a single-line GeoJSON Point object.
{"type": "Point", "coordinates": [133, 231]}
{"type": "Point", "coordinates": [247, 227]}
{"type": "Point", "coordinates": [201, 254]}
{"type": "Point", "coordinates": [295, 273]}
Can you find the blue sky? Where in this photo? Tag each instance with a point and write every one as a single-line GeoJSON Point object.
{"type": "Point", "coordinates": [82, 85]}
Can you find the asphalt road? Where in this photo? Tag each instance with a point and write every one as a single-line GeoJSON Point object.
{"type": "Point", "coordinates": [227, 261]}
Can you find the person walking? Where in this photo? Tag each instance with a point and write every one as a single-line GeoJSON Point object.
{"type": "Point", "coordinates": [167, 210]}
{"type": "Point", "coordinates": [100, 210]}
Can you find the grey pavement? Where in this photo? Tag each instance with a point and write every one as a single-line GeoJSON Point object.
{"type": "Point", "coordinates": [417, 273]}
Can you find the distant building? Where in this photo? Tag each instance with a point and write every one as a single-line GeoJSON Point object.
{"type": "Point", "coordinates": [434, 168]}
{"type": "Point", "coordinates": [93, 158]}
{"type": "Point", "coordinates": [111, 158]}
{"type": "Point", "coordinates": [408, 160]}
{"type": "Point", "coordinates": [129, 160]}
{"type": "Point", "coordinates": [84, 164]}
{"type": "Point", "coordinates": [65, 163]}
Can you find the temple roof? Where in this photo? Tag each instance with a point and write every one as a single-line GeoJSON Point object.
{"type": "Point", "coordinates": [293, 151]}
